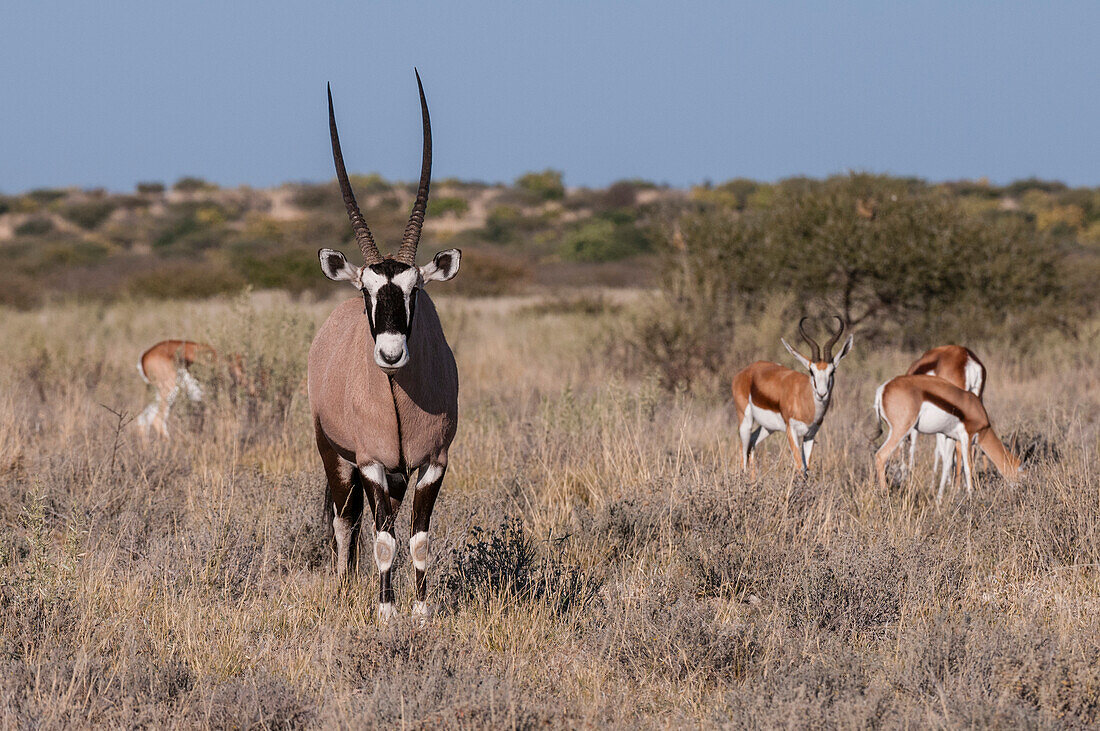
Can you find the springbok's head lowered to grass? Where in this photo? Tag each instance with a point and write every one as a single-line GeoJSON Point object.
{"type": "Point", "coordinates": [389, 285]}
{"type": "Point", "coordinates": [822, 370]}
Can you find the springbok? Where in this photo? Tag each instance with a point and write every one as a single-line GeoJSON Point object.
{"type": "Point", "coordinates": [383, 388]}
{"type": "Point", "coordinates": [931, 405]}
{"type": "Point", "coordinates": [770, 398]}
{"type": "Point", "coordinates": [166, 367]}
{"type": "Point", "coordinates": [960, 367]}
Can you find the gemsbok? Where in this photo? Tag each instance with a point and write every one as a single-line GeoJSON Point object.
{"type": "Point", "coordinates": [770, 398]}
{"type": "Point", "coordinates": [960, 367]}
{"type": "Point", "coordinates": [166, 367]}
{"type": "Point", "coordinates": [931, 405]}
{"type": "Point", "coordinates": [383, 388]}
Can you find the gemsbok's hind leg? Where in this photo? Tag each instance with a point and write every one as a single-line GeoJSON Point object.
{"type": "Point", "coordinates": [427, 489]}
{"type": "Point", "coordinates": [344, 506]}
{"type": "Point", "coordinates": [385, 545]}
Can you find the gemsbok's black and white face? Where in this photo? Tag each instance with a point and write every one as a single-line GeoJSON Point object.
{"type": "Point", "coordinates": [389, 291]}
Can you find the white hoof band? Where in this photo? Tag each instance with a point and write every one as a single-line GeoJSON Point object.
{"type": "Point", "coordinates": [386, 612]}
{"type": "Point", "coordinates": [385, 547]}
{"type": "Point", "coordinates": [418, 549]}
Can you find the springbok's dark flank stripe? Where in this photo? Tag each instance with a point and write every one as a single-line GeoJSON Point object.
{"type": "Point", "coordinates": [759, 398]}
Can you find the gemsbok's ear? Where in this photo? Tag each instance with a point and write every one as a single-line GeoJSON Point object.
{"type": "Point", "coordinates": [336, 267]}
{"type": "Point", "coordinates": [801, 359]}
{"type": "Point", "coordinates": [442, 267]}
{"type": "Point", "coordinates": [843, 351]}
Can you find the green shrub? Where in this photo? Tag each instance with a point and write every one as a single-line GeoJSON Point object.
{"type": "Point", "coordinates": [190, 280]}
{"type": "Point", "coordinates": [544, 186]}
{"type": "Point", "coordinates": [316, 196]}
{"type": "Point", "coordinates": [439, 206]}
{"type": "Point", "coordinates": [1019, 187]}
{"type": "Point", "coordinates": [623, 194]}
{"type": "Point", "coordinates": [149, 188]}
{"type": "Point", "coordinates": [45, 196]}
{"type": "Point", "coordinates": [189, 184]}
{"type": "Point", "coordinates": [369, 184]}
{"type": "Point", "coordinates": [191, 227]}
{"type": "Point", "coordinates": [90, 214]}
{"type": "Point", "coordinates": [501, 224]}
{"type": "Point", "coordinates": [609, 238]}
{"type": "Point", "coordinates": [71, 254]}
{"type": "Point", "coordinates": [38, 226]}
{"type": "Point", "coordinates": [294, 271]}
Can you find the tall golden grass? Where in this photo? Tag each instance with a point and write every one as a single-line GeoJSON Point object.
{"type": "Point", "coordinates": [648, 582]}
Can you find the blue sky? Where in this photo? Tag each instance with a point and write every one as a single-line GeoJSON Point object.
{"type": "Point", "coordinates": [108, 94]}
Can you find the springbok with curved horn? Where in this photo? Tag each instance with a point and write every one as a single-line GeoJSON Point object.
{"type": "Point", "coordinates": [931, 405]}
{"type": "Point", "coordinates": [960, 367]}
{"type": "Point", "coordinates": [770, 398]}
{"type": "Point", "coordinates": [383, 388]}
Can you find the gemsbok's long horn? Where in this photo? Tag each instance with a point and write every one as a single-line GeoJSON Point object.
{"type": "Point", "coordinates": [812, 343]}
{"type": "Point", "coordinates": [832, 341]}
{"type": "Point", "coordinates": [358, 223]}
{"type": "Point", "coordinates": [407, 252]}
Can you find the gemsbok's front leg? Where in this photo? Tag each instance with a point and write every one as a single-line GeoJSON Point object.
{"type": "Point", "coordinates": [385, 545]}
{"type": "Point", "coordinates": [427, 489]}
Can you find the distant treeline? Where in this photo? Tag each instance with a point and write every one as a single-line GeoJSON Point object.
{"type": "Point", "coordinates": [193, 239]}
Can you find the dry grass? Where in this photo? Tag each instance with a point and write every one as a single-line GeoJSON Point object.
{"type": "Point", "coordinates": [645, 583]}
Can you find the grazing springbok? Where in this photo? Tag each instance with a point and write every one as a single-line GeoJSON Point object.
{"type": "Point", "coordinates": [931, 405]}
{"type": "Point", "coordinates": [166, 367]}
{"type": "Point", "coordinates": [383, 388]}
{"type": "Point", "coordinates": [770, 398]}
{"type": "Point", "coordinates": [960, 367]}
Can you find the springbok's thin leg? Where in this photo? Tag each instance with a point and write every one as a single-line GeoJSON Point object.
{"type": "Point", "coordinates": [795, 443]}
{"type": "Point", "coordinates": [892, 442]}
{"type": "Point", "coordinates": [964, 439]}
{"type": "Point", "coordinates": [944, 450]}
{"type": "Point", "coordinates": [913, 453]}
{"type": "Point", "coordinates": [745, 431]}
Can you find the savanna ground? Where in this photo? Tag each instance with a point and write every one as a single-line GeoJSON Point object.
{"type": "Point", "coordinates": [598, 557]}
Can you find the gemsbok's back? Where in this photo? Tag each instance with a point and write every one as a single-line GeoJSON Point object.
{"type": "Point", "coordinates": [383, 388]}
